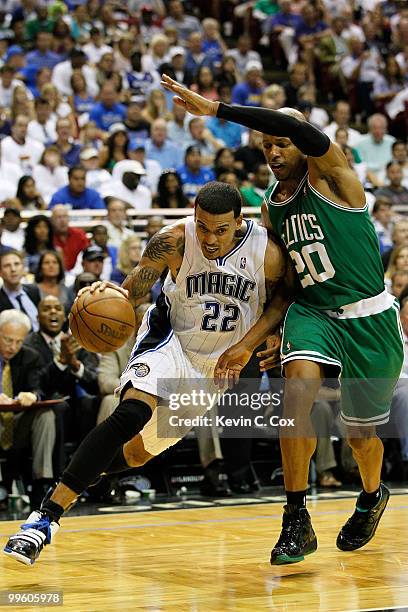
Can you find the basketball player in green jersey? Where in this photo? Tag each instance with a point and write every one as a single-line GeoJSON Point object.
{"type": "Point", "coordinates": [342, 320]}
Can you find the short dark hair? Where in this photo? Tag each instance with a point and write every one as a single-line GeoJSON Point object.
{"type": "Point", "coordinates": [74, 169]}
{"type": "Point", "coordinates": [392, 163]}
{"type": "Point", "coordinates": [18, 254]}
{"type": "Point", "coordinates": [219, 198]}
{"type": "Point", "coordinates": [378, 203]}
{"type": "Point", "coordinates": [398, 142]}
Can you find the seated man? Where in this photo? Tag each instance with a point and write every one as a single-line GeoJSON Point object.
{"type": "Point", "coordinates": [66, 369]}
{"type": "Point", "coordinates": [35, 428]}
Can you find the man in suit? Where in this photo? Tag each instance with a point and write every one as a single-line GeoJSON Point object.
{"type": "Point", "coordinates": [14, 295]}
{"type": "Point", "coordinates": [20, 381]}
{"type": "Point", "coordinates": [66, 369]}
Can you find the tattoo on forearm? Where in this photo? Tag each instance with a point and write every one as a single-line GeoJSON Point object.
{"type": "Point", "coordinates": [161, 245]}
{"type": "Point", "coordinates": [141, 281]}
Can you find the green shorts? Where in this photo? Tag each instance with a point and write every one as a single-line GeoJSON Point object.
{"type": "Point", "coordinates": [367, 351]}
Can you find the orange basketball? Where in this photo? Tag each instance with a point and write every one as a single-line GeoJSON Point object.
{"type": "Point", "coordinates": [102, 321]}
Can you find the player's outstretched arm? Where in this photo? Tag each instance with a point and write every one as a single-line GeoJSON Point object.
{"type": "Point", "coordinates": [164, 250]}
{"type": "Point", "coordinates": [305, 136]}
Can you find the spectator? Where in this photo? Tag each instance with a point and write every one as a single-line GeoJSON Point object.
{"type": "Point", "coordinates": [59, 108]}
{"type": "Point", "coordinates": [108, 111]}
{"type": "Point", "coordinates": [76, 194]}
{"type": "Point", "coordinates": [156, 55]}
{"type": "Point", "coordinates": [375, 147]}
{"type": "Point", "coordinates": [394, 190]}
{"type": "Point", "coordinates": [248, 93]}
{"type": "Point", "coordinates": [100, 237]}
{"type": "Point", "coordinates": [66, 369]}
{"type": "Point", "coordinates": [21, 104]}
{"type": "Point", "coordinates": [382, 218]}
{"type": "Point", "coordinates": [195, 57]}
{"type": "Point", "coordinates": [19, 148]}
{"type": "Point", "coordinates": [297, 78]}
{"type": "Point", "coordinates": [388, 84]}
{"type": "Point", "coordinates": [399, 238]}
{"type": "Point", "coordinates": [125, 185]}
{"type": "Point", "coordinates": [227, 74]}
{"type": "Point", "coordinates": [50, 275]}
{"type": "Point", "coordinates": [360, 67]}
{"type": "Point", "coordinates": [176, 66]}
{"type": "Point", "coordinates": [170, 191]}
{"type": "Point", "coordinates": [68, 240]}
{"type": "Point", "coordinates": [400, 155]}
{"type": "Point", "coordinates": [398, 262]}
{"type": "Point", "coordinates": [139, 81]}
{"type": "Point", "coordinates": [213, 45]}
{"type": "Point", "coordinates": [116, 222]}
{"type": "Point", "coordinates": [7, 85]}
{"type": "Point", "coordinates": [65, 143]}
{"type": "Point", "coordinates": [42, 56]}
{"type": "Point", "coordinates": [29, 429]}
{"type": "Point", "coordinates": [91, 136]}
{"type": "Point", "coordinates": [96, 46]}
{"type": "Point", "coordinates": [38, 238]}
{"type": "Point", "coordinates": [50, 174]}
{"type": "Point", "coordinates": [129, 256]}
{"type": "Point", "coordinates": [42, 128]}
{"type": "Point", "coordinates": [341, 118]}
{"type": "Point", "coordinates": [62, 73]}
{"type": "Point", "coordinates": [92, 260]}
{"type": "Point", "coordinates": [399, 281]}
{"type": "Point", "coordinates": [204, 83]}
{"type": "Point", "coordinates": [192, 174]}
{"type": "Point", "coordinates": [201, 137]}
{"type": "Point", "coordinates": [12, 234]}
{"type": "Point", "coordinates": [225, 162]}
{"type": "Point", "coordinates": [13, 294]}
{"type": "Point", "coordinates": [111, 367]}
{"type": "Point", "coordinates": [273, 97]}
{"type": "Point", "coordinates": [249, 156]}
{"type": "Point", "coordinates": [243, 54]}
{"type": "Point", "coordinates": [28, 195]}
{"type": "Point", "coordinates": [184, 24]}
{"type": "Point", "coordinates": [160, 148]}
{"type": "Point", "coordinates": [137, 152]}
{"type": "Point", "coordinates": [95, 176]}
{"type": "Point", "coordinates": [156, 106]}
{"type": "Point", "coordinates": [81, 101]}
{"type": "Point", "coordinates": [177, 126]}
{"type": "Point", "coordinates": [254, 194]}
{"type": "Point", "coordinates": [281, 28]}
{"type": "Point", "coordinates": [116, 148]}
{"type": "Point", "coordinates": [154, 224]}
{"type": "Point", "coordinates": [136, 126]}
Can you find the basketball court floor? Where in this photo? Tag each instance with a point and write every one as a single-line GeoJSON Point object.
{"type": "Point", "coordinates": [215, 559]}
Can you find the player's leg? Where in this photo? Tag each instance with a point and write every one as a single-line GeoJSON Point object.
{"type": "Point", "coordinates": [297, 539]}
{"type": "Point", "coordinates": [93, 457]}
{"type": "Point", "coordinates": [361, 527]}
{"type": "Point", "coordinates": [367, 389]}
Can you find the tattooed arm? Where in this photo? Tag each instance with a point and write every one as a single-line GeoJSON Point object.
{"type": "Point", "coordinates": [164, 250]}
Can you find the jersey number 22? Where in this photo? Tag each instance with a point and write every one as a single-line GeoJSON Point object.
{"type": "Point", "coordinates": [210, 321]}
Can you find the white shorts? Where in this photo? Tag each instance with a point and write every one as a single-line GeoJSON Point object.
{"type": "Point", "coordinates": [159, 366]}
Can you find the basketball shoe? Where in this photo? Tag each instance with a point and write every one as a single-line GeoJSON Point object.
{"type": "Point", "coordinates": [362, 525]}
{"type": "Point", "coordinates": [297, 537]}
{"type": "Point", "coordinates": [26, 545]}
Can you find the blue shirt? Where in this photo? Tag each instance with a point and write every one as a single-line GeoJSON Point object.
{"type": "Point", "coordinates": [104, 117]}
{"type": "Point", "coordinates": [43, 60]}
{"type": "Point", "coordinates": [71, 157]}
{"type": "Point", "coordinates": [168, 156]}
{"type": "Point", "coordinates": [245, 95]}
{"type": "Point", "coordinates": [89, 198]}
{"type": "Point", "coordinates": [192, 182]}
{"type": "Point", "coordinates": [228, 132]}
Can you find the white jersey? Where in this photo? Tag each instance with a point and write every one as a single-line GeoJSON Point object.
{"type": "Point", "coordinates": [213, 303]}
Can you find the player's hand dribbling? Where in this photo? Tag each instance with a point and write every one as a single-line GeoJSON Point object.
{"type": "Point", "coordinates": [230, 364]}
{"type": "Point", "coordinates": [102, 285]}
{"type": "Point", "coordinates": [271, 355]}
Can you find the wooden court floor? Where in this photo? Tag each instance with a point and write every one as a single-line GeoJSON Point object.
{"type": "Point", "coordinates": [215, 560]}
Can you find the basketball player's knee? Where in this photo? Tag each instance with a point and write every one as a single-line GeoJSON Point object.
{"type": "Point", "coordinates": [364, 445]}
{"type": "Point", "coordinates": [129, 418]}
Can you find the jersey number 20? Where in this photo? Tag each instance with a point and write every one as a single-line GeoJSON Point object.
{"type": "Point", "coordinates": [304, 260]}
{"type": "Point", "coordinates": [210, 321]}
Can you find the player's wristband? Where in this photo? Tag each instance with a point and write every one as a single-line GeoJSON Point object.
{"type": "Point", "coordinates": [305, 136]}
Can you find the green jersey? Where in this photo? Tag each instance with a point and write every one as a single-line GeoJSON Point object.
{"type": "Point", "coordinates": [335, 250]}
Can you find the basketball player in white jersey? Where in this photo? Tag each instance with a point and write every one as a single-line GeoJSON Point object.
{"type": "Point", "coordinates": [221, 272]}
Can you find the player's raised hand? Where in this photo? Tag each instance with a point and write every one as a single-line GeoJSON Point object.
{"type": "Point", "coordinates": [191, 101]}
{"type": "Point", "coordinates": [271, 355]}
{"type": "Point", "coordinates": [230, 364]}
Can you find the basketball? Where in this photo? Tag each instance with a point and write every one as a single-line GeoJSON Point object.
{"type": "Point", "coordinates": [102, 321]}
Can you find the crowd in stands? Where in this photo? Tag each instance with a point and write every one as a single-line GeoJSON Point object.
{"type": "Point", "coordinates": [85, 125]}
